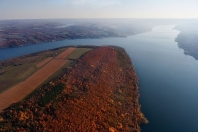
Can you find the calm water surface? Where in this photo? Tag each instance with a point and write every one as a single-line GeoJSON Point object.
{"type": "Point", "coordinates": [168, 78]}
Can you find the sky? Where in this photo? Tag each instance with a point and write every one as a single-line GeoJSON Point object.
{"type": "Point", "coordinates": [45, 9]}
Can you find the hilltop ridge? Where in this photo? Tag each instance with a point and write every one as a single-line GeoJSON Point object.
{"type": "Point", "coordinates": [99, 93]}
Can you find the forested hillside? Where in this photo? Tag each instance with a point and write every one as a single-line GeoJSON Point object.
{"type": "Point", "coordinates": [99, 93]}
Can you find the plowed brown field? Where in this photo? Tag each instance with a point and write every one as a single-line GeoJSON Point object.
{"type": "Point", "coordinates": [65, 53]}
{"type": "Point", "coordinates": [21, 90]}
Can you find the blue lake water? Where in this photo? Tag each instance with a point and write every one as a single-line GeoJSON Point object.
{"type": "Point", "coordinates": [168, 78]}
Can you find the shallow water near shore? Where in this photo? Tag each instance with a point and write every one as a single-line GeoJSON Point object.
{"type": "Point", "coordinates": [167, 78]}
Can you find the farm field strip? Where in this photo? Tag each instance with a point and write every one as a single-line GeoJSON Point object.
{"type": "Point", "coordinates": [42, 63]}
{"type": "Point", "coordinates": [64, 54]}
{"type": "Point", "coordinates": [21, 90]}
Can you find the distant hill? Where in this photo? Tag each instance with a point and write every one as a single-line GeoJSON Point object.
{"type": "Point", "coordinates": [188, 38]}
{"type": "Point", "coordinates": [14, 33]}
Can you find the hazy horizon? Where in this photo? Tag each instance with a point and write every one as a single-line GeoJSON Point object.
{"type": "Point", "coordinates": [75, 9]}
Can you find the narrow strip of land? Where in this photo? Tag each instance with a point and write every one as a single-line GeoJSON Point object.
{"type": "Point", "coordinates": [21, 90]}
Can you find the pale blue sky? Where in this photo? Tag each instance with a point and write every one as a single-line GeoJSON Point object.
{"type": "Point", "coordinates": [25, 9]}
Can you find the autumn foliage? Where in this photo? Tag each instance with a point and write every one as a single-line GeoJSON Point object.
{"type": "Point", "coordinates": [99, 93]}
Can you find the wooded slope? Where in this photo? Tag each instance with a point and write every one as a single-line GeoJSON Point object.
{"type": "Point", "coordinates": [100, 93]}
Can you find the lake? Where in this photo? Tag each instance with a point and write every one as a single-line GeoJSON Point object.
{"type": "Point", "coordinates": [167, 78]}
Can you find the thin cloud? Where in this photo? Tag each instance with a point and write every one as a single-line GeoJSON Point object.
{"type": "Point", "coordinates": [96, 2]}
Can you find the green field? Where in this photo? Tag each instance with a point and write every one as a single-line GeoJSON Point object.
{"type": "Point", "coordinates": [15, 74]}
{"type": "Point", "coordinates": [78, 52]}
